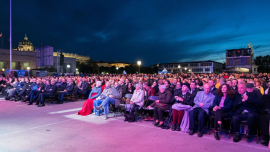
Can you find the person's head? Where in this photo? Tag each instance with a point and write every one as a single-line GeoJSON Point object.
{"type": "Point", "coordinates": [127, 81]}
{"type": "Point", "coordinates": [53, 82]}
{"type": "Point", "coordinates": [241, 88]}
{"type": "Point", "coordinates": [174, 81]}
{"type": "Point", "coordinates": [145, 85]}
{"type": "Point", "coordinates": [34, 80]}
{"type": "Point", "coordinates": [154, 83]}
{"type": "Point", "coordinates": [47, 82]}
{"type": "Point", "coordinates": [178, 85]}
{"type": "Point", "coordinates": [98, 83]}
{"type": "Point", "coordinates": [162, 88]}
{"type": "Point", "coordinates": [206, 88]}
{"type": "Point", "coordinates": [258, 84]}
{"type": "Point", "coordinates": [116, 84]}
{"type": "Point", "coordinates": [138, 86]}
{"type": "Point", "coordinates": [229, 82]}
{"type": "Point", "coordinates": [185, 88]}
{"type": "Point", "coordinates": [192, 85]}
{"type": "Point", "coordinates": [167, 83]}
{"type": "Point", "coordinates": [63, 80]}
{"type": "Point", "coordinates": [225, 89]}
{"type": "Point", "coordinates": [39, 81]}
{"type": "Point", "coordinates": [22, 80]}
{"type": "Point", "coordinates": [249, 87]}
{"type": "Point", "coordinates": [108, 84]}
{"type": "Point", "coordinates": [122, 81]}
{"type": "Point", "coordinates": [160, 81]}
{"type": "Point", "coordinates": [234, 83]}
{"type": "Point", "coordinates": [211, 83]}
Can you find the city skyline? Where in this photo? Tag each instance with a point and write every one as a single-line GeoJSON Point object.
{"type": "Point", "coordinates": [150, 31]}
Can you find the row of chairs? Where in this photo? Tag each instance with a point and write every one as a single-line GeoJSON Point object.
{"type": "Point", "coordinates": [209, 119]}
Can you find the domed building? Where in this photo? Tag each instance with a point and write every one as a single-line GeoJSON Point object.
{"type": "Point", "coordinates": [26, 45]}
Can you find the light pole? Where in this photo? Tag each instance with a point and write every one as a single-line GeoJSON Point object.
{"type": "Point", "coordinates": [179, 68]}
{"type": "Point", "coordinates": [28, 68]}
{"type": "Point", "coordinates": [139, 63]}
{"type": "Point", "coordinates": [117, 69]}
{"type": "Point", "coordinates": [10, 39]}
{"type": "Point", "coordinates": [185, 69]}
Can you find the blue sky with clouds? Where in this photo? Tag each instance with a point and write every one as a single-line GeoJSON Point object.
{"type": "Point", "coordinates": [154, 31]}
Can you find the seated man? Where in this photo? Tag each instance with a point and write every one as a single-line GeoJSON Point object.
{"type": "Point", "coordinates": [105, 93]}
{"type": "Point", "coordinates": [34, 92]}
{"type": "Point", "coordinates": [17, 89]}
{"type": "Point", "coordinates": [203, 101]}
{"type": "Point", "coordinates": [66, 91]}
{"type": "Point", "coordinates": [61, 86]}
{"type": "Point", "coordinates": [81, 88]}
{"type": "Point", "coordinates": [2, 83]}
{"type": "Point", "coordinates": [26, 87]}
{"type": "Point", "coordinates": [115, 94]}
{"type": "Point", "coordinates": [246, 102]}
{"type": "Point", "coordinates": [50, 90]}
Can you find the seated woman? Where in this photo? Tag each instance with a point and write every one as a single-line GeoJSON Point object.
{"type": "Point", "coordinates": [137, 100]}
{"type": "Point", "coordinates": [88, 104]}
{"type": "Point", "coordinates": [222, 106]}
{"type": "Point", "coordinates": [161, 105]}
{"type": "Point", "coordinates": [184, 98]}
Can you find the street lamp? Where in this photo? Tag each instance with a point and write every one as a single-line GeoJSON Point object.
{"type": "Point", "coordinates": [179, 68]}
{"type": "Point", "coordinates": [139, 63]}
{"type": "Point", "coordinates": [68, 66]}
{"type": "Point", "coordinates": [28, 68]}
{"type": "Point", "coordinates": [117, 69]}
{"type": "Point", "coordinates": [3, 69]}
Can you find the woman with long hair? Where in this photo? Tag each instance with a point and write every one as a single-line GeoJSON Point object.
{"type": "Point", "coordinates": [222, 106]}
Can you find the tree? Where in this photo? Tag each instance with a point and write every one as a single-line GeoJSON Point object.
{"type": "Point", "coordinates": [263, 63]}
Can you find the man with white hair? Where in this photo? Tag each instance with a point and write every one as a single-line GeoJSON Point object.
{"type": "Point", "coordinates": [203, 101]}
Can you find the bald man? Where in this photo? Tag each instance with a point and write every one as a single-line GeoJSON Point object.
{"type": "Point", "coordinates": [203, 101]}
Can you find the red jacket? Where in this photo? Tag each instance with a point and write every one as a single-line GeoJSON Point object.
{"type": "Point", "coordinates": [151, 92]}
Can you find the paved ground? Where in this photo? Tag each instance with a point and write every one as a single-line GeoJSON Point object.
{"type": "Point", "coordinates": [57, 128]}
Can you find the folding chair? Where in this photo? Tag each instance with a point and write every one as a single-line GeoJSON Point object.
{"type": "Point", "coordinates": [245, 122]}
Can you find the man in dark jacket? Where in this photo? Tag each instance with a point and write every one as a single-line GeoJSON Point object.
{"type": "Point", "coordinates": [193, 90]}
{"type": "Point", "coordinates": [82, 89]}
{"type": "Point", "coordinates": [34, 92]}
{"type": "Point", "coordinates": [62, 85]}
{"type": "Point", "coordinates": [212, 87]}
{"type": "Point", "coordinates": [50, 90]}
{"type": "Point", "coordinates": [177, 91]}
{"type": "Point", "coordinates": [246, 103]}
{"type": "Point", "coordinates": [26, 89]}
{"type": "Point", "coordinates": [122, 86]}
{"type": "Point", "coordinates": [67, 91]}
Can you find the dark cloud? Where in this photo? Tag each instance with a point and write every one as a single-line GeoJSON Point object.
{"type": "Point", "coordinates": [153, 31]}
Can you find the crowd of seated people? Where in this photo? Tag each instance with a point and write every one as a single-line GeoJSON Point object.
{"type": "Point", "coordinates": [190, 99]}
